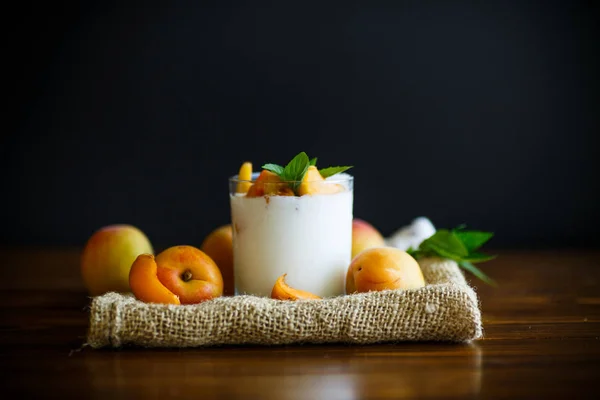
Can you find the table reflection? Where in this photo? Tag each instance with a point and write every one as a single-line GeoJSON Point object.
{"type": "Point", "coordinates": [295, 372]}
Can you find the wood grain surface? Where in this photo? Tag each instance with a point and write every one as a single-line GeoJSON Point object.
{"type": "Point", "coordinates": [541, 340]}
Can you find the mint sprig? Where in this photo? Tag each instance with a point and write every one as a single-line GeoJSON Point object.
{"type": "Point", "coordinates": [296, 169]}
{"type": "Point", "coordinates": [459, 245]}
{"type": "Point", "coordinates": [293, 172]}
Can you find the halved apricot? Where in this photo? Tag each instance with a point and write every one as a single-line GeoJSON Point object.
{"type": "Point", "coordinates": [189, 273]}
{"type": "Point", "coordinates": [178, 275]}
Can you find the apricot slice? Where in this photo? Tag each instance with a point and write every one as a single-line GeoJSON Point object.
{"type": "Point", "coordinates": [245, 174]}
{"type": "Point", "coordinates": [269, 184]}
{"type": "Point", "coordinates": [189, 273]}
{"type": "Point", "coordinates": [314, 183]}
{"type": "Point", "coordinates": [282, 291]}
{"type": "Point", "coordinates": [144, 283]}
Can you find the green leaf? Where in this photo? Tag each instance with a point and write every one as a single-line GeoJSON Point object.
{"type": "Point", "coordinates": [296, 169]}
{"type": "Point", "coordinates": [278, 169]}
{"type": "Point", "coordinates": [420, 254]}
{"type": "Point", "coordinates": [446, 244]}
{"type": "Point", "coordinates": [412, 251]}
{"type": "Point", "coordinates": [477, 272]}
{"type": "Point", "coordinates": [435, 250]}
{"type": "Point", "coordinates": [458, 245]}
{"type": "Point", "coordinates": [478, 257]}
{"type": "Point", "coordinates": [473, 239]}
{"type": "Point", "coordinates": [313, 161]}
{"type": "Point", "coordinates": [330, 171]}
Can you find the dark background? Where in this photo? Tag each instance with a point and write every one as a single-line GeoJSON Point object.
{"type": "Point", "coordinates": [485, 114]}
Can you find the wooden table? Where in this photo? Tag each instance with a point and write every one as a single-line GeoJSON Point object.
{"type": "Point", "coordinates": [541, 326]}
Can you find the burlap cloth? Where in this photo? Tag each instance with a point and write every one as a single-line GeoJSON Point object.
{"type": "Point", "coordinates": [446, 309]}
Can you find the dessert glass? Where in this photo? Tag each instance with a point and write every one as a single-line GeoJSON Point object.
{"type": "Point", "coordinates": [308, 237]}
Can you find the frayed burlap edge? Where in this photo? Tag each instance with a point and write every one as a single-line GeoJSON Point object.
{"type": "Point", "coordinates": [446, 309]}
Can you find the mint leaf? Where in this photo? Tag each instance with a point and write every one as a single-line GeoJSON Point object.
{"type": "Point", "coordinates": [330, 171]}
{"type": "Point", "coordinates": [296, 169]}
{"type": "Point", "coordinates": [416, 253]}
{"type": "Point", "coordinates": [313, 161]}
{"type": "Point", "coordinates": [446, 244]}
{"type": "Point", "coordinates": [473, 239]}
{"type": "Point", "coordinates": [477, 272]}
{"type": "Point", "coordinates": [478, 257]}
{"type": "Point", "coordinates": [458, 245]}
{"type": "Point", "coordinates": [440, 251]}
{"type": "Point", "coordinates": [278, 169]}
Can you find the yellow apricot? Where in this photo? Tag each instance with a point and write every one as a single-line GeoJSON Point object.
{"type": "Point", "coordinates": [269, 184]}
{"type": "Point", "coordinates": [245, 174]}
{"type": "Point", "coordinates": [314, 183]}
{"type": "Point", "coordinates": [383, 268]}
{"type": "Point", "coordinates": [282, 291]}
{"type": "Point", "coordinates": [218, 245]}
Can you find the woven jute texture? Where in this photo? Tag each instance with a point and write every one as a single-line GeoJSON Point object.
{"type": "Point", "coordinates": [446, 309]}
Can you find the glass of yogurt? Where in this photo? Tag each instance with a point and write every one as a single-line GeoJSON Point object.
{"type": "Point", "coordinates": [308, 236]}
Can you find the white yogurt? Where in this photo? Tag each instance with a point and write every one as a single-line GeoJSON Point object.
{"type": "Point", "coordinates": [309, 238]}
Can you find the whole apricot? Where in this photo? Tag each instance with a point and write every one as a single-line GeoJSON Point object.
{"type": "Point", "coordinates": [383, 268]}
{"type": "Point", "coordinates": [218, 245]}
{"type": "Point", "coordinates": [107, 257]}
{"type": "Point", "coordinates": [185, 272]}
{"type": "Point", "coordinates": [364, 236]}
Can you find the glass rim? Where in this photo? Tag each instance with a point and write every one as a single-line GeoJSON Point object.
{"type": "Point", "coordinates": [340, 178]}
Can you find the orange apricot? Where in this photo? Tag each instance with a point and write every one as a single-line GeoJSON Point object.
{"type": "Point", "coordinates": [282, 291]}
{"type": "Point", "coordinates": [314, 183]}
{"type": "Point", "coordinates": [189, 273]}
{"type": "Point", "coordinates": [144, 283]}
{"type": "Point", "coordinates": [244, 176]}
{"type": "Point", "coordinates": [218, 245]}
{"type": "Point", "coordinates": [383, 268]}
{"type": "Point", "coordinates": [178, 275]}
{"type": "Point", "coordinates": [269, 184]}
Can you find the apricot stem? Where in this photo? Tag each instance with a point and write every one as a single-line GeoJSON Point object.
{"type": "Point", "coordinates": [187, 275]}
